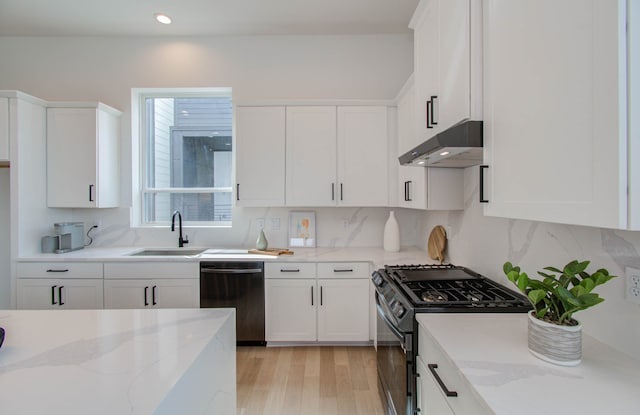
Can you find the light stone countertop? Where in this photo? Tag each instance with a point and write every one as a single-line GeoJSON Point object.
{"type": "Point", "coordinates": [491, 352]}
{"type": "Point", "coordinates": [378, 256]}
{"type": "Point", "coordinates": [161, 361]}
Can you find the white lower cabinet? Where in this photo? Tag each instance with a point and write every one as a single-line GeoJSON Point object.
{"type": "Point", "coordinates": [151, 285]}
{"type": "Point", "coordinates": [437, 375]}
{"type": "Point", "coordinates": [152, 293]}
{"type": "Point", "coordinates": [301, 307]}
{"type": "Point", "coordinates": [58, 285]}
{"type": "Point", "coordinates": [343, 310]}
{"type": "Point", "coordinates": [58, 293]}
{"type": "Point", "coordinates": [290, 313]}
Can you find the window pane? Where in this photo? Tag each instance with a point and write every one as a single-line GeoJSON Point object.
{"type": "Point", "coordinates": [194, 207]}
{"type": "Point", "coordinates": [184, 138]}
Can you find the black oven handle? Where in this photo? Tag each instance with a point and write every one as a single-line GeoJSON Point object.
{"type": "Point", "coordinates": [389, 324]}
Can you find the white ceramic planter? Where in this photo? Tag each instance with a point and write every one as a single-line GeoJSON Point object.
{"type": "Point", "coordinates": [561, 345]}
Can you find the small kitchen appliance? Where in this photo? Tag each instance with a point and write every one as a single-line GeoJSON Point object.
{"type": "Point", "coordinates": [69, 236]}
{"type": "Point", "coordinates": [404, 290]}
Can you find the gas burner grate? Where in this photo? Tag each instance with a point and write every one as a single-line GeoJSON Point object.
{"type": "Point", "coordinates": [418, 267]}
{"type": "Point", "coordinates": [467, 293]}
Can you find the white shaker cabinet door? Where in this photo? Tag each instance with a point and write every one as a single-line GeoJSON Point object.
{"type": "Point", "coordinates": [84, 294]}
{"type": "Point", "coordinates": [343, 309]}
{"type": "Point", "coordinates": [150, 293]}
{"type": "Point", "coordinates": [4, 129]}
{"type": "Point", "coordinates": [362, 156]}
{"type": "Point", "coordinates": [260, 156]}
{"type": "Point", "coordinates": [555, 111]}
{"type": "Point", "coordinates": [290, 309]}
{"type": "Point", "coordinates": [311, 156]}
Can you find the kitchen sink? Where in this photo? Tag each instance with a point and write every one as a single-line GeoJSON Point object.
{"type": "Point", "coordinates": [168, 252]}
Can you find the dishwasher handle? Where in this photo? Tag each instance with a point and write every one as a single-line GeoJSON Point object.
{"type": "Point", "coordinates": [230, 270]}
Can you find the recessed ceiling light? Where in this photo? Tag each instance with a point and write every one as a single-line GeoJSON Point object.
{"type": "Point", "coordinates": [162, 18]}
{"type": "Point", "coordinates": [444, 153]}
{"type": "Point", "coordinates": [421, 162]}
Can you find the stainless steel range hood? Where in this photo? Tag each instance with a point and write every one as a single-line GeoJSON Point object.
{"type": "Point", "coordinates": [459, 146]}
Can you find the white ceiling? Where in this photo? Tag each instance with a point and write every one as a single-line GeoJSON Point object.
{"type": "Point", "coordinates": [203, 17]}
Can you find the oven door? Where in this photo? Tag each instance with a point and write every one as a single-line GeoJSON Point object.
{"type": "Point", "coordinates": [394, 360]}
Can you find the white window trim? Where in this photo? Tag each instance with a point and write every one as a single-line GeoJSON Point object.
{"type": "Point", "coordinates": [139, 154]}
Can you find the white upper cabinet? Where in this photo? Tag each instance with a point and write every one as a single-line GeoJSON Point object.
{"type": "Point", "coordinates": [420, 187]}
{"type": "Point", "coordinates": [260, 156]}
{"type": "Point", "coordinates": [362, 156]}
{"type": "Point", "coordinates": [447, 65]}
{"type": "Point", "coordinates": [560, 88]}
{"type": "Point", "coordinates": [4, 130]}
{"type": "Point", "coordinates": [82, 156]}
{"type": "Point", "coordinates": [311, 156]}
{"type": "Point", "coordinates": [336, 156]}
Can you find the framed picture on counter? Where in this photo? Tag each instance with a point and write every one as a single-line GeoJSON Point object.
{"type": "Point", "coordinates": [302, 229]}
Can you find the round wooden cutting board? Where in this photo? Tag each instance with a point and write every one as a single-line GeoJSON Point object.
{"type": "Point", "coordinates": [437, 243]}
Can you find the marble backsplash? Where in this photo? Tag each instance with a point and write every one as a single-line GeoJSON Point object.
{"type": "Point", "coordinates": [335, 227]}
{"type": "Point", "coordinates": [485, 243]}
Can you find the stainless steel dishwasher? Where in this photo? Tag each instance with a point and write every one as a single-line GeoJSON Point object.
{"type": "Point", "coordinates": [238, 285]}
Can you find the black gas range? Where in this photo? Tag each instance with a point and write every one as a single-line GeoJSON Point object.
{"type": "Point", "coordinates": [404, 290]}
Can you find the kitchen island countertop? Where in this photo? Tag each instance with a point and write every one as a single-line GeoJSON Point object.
{"type": "Point", "coordinates": [491, 352]}
{"type": "Point", "coordinates": [162, 361]}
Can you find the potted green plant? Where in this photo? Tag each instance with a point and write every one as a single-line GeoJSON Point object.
{"type": "Point", "coordinates": [554, 335]}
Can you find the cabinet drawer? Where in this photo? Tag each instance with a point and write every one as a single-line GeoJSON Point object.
{"type": "Point", "coordinates": [88, 270]}
{"type": "Point", "coordinates": [124, 270]}
{"type": "Point", "coordinates": [290, 270]}
{"type": "Point", "coordinates": [467, 401]}
{"type": "Point", "coordinates": [343, 270]}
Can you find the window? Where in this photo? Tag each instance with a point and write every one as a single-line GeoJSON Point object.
{"type": "Point", "coordinates": [187, 157]}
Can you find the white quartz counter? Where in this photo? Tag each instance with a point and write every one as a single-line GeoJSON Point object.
{"type": "Point", "coordinates": [118, 362]}
{"type": "Point", "coordinates": [378, 256]}
{"type": "Point", "coordinates": [491, 352]}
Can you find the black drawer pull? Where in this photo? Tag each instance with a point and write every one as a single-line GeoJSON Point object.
{"type": "Point", "coordinates": [153, 295]}
{"type": "Point", "coordinates": [53, 295]}
{"type": "Point", "coordinates": [60, 294]}
{"type": "Point", "coordinates": [146, 292]}
{"type": "Point", "coordinates": [343, 270]}
{"type": "Point", "coordinates": [432, 368]}
{"type": "Point", "coordinates": [289, 270]}
{"type": "Point", "coordinates": [57, 270]}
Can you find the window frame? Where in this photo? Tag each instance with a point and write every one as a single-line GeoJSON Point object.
{"type": "Point", "coordinates": [140, 126]}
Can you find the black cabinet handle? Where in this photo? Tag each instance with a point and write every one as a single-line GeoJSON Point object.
{"type": "Point", "coordinates": [146, 292]}
{"type": "Point", "coordinates": [428, 111]}
{"type": "Point", "coordinates": [90, 193]}
{"type": "Point", "coordinates": [343, 270]}
{"type": "Point", "coordinates": [237, 191]}
{"type": "Point", "coordinates": [312, 296]}
{"type": "Point", "coordinates": [289, 270]}
{"type": "Point", "coordinates": [432, 368]}
{"type": "Point", "coordinates": [482, 169]}
{"type": "Point", "coordinates": [153, 295]}
{"type": "Point", "coordinates": [405, 191]}
{"type": "Point", "coordinates": [60, 294]}
{"type": "Point", "coordinates": [409, 198]}
{"type": "Point", "coordinates": [53, 295]}
{"type": "Point", "coordinates": [433, 111]}
{"type": "Point", "coordinates": [333, 191]}
{"type": "Point", "coordinates": [57, 270]}
{"type": "Point", "coordinates": [341, 192]}
{"type": "Point", "coordinates": [321, 295]}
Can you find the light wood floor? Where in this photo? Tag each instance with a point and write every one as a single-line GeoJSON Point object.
{"type": "Point", "coordinates": [307, 380]}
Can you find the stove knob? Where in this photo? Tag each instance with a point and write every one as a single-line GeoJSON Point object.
{"type": "Point", "coordinates": [378, 280]}
{"type": "Point", "coordinates": [398, 309]}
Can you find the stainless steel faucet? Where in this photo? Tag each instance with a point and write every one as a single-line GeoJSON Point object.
{"type": "Point", "coordinates": [181, 241]}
